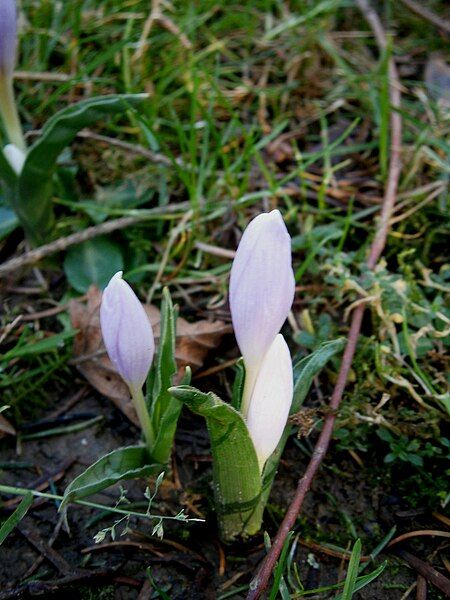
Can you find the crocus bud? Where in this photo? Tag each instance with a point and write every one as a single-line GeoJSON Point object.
{"type": "Point", "coordinates": [14, 156]}
{"type": "Point", "coordinates": [262, 290]}
{"type": "Point", "coordinates": [271, 400]}
{"type": "Point", "coordinates": [127, 332]}
{"type": "Point", "coordinates": [8, 44]}
{"type": "Point", "coordinates": [8, 37]}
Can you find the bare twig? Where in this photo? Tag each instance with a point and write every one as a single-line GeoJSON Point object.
{"type": "Point", "coordinates": [422, 591]}
{"type": "Point", "coordinates": [61, 244]}
{"type": "Point", "coordinates": [50, 543]}
{"type": "Point", "coordinates": [45, 549]}
{"type": "Point", "coordinates": [260, 581]}
{"type": "Point", "coordinates": [154, 157]}
{"type": "Point", "coordinates": [428, 15]}
{"type": "Point", "coordinates": [427, 571]}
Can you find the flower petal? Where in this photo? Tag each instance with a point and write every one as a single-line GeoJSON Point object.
{"type": "Point", "coordinates": [271, 400]}
{"type": "Point", "coordinates": [15, 156]}
{"type": "Point", "coordinates": [8, 37]}
{"type": "Point", "coordinates": [127, 332]}
{"type": "Point", "coordinates": [262, 288]}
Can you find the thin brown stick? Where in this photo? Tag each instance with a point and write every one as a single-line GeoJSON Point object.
{"type": "Point", "coordinates": [422, 592]}
{"type": "Point", "coordinates": [154, 157]}
{"type": "Point", "coordinates": [431, 574]}
{"type": "Point", "coordinates": [428, 15]}
{"type": "Point", "coordinates": [261, 580]}
{"type": "Point", "coordinates": [44, 549]}
{"type": "Point", "coordinates": [50, 543]}
{"type": "Point", "coordinates": [61, 244]}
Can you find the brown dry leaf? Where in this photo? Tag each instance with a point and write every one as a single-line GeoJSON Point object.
{"type": "Point", "coordinates": [194, 341]}
{"type": "Point", "coordinates": [5, 427]}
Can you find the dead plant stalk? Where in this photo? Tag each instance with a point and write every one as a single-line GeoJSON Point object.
{"type": "Point", "coordinates": [261, 580]}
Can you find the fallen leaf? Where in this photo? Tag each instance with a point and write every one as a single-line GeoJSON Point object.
{"type": "Point", "coordinates": [194, 341]}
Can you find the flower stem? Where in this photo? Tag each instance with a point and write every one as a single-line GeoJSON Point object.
{"type": "Point", "coordinates": [251, 373]}
{"type": "Point", "coordinates": [8, 111]}
{"type": "Point", "coordinates": [138, 399]}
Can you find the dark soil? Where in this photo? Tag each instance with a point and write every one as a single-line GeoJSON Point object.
{"type": "Point", "coordinates": [196, 565]}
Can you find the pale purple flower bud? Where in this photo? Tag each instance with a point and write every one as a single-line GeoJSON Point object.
{"type": "Point", "coordinates": [262, 288]}
{"type": "Point", "coordinates": [8, 37]}
{"type": "Point", "coordinates": [15, 156]}
{"type": "Point", "coordinates": [271, 400]}
{"type": "Point", "coordinates": [127, 332]}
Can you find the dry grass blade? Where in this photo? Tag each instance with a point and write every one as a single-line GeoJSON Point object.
{"type": "Point", "coordinates": [5, 427]}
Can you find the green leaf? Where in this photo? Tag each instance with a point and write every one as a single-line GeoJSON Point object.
{"type": "Point", "coordinates": [304, 372]}
{"type": "Point", "coordinates": [8, 221]}
{"type": "Point", "coordinates": [307, 368]}
{"type": "Point", "coordinates": [165, 409]}
{"type": "Point", "coordinates": [54, 342]}
{"type": "Point", "coordinates": [352, 572]}
{"type": "Point", "coordinates": [32, 202]}
{"type": "Point", "coordinates": [16, 517]}
{"type": "Point", "coordinates": [361, 582]}
{"type": "Point", "coordinates": [92, 262]}
{"type": "Point", "coordinates": [124, 463]}
{"type": "Point", "coordinates": [364, 580]}
{"type": "Point", "coordinates": [238, 385]}
{"type": "Point", "coordinates": [280, 566]}
{"type": "Point", "coordinates": [237, 481]}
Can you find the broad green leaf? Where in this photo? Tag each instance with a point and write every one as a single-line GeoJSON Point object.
{"type": "Point", "coordinates": [352, 572]}
{"type": "Point", "coordinates": [304, 372]}
{"type": "Point", "coordinates": [165, 409]}
{"type": "Point", "coordinates": [124, 463]}
{"type": "Point", "coordinates": [307, 368]}
{"type": "Point", "coordinates": [16, 517]}
{"type": "Point", "coordinates": [237, 481]}
{"type": "Point", "coordinates": [92, 262]}
{"type": "Point", "coordinates": [32, 202]}
{"type": "Point", "coordinates": [8, 221]}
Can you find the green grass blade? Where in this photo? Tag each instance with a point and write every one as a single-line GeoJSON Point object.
{"type": "Point", "coordinates": [352, 572]}
{"type": "Point", "coordinates": [364, 580]}
{"type": "Point", "coordinates": [165, 409]}
{"type": "Point", "coordinates": [54, 342]}
{"type": "Point", "coordinates": [278, 573]}
{"type": "Point", "coordinates": [16, 517]}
